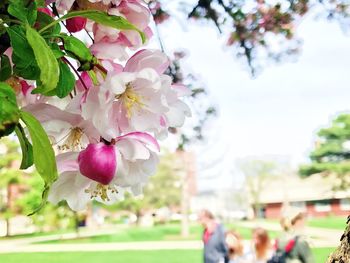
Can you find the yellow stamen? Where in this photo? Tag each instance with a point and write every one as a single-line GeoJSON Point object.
{"type": "Point", "coordinates": [101, 191]}
{"type": "Point", "coordinates": [131, 100]}
{"type": "Point", "coordinates": [73, 141]}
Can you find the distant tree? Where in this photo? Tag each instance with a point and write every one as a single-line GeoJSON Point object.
{"type": "Point", "coordinates": [51, 217]}
{"type": "Point", "coordinates": [9, 177]}
{"type": "Point", "coordinates": [332, 152]}
{"type": "Point", "coordinates": [20, 193]}
{"type": "Point", "coordinates": [162, 190]}
{"type": "Point", "coordinates": [257, 173]}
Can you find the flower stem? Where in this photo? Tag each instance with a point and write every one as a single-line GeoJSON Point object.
{"type": "Point", "coordinates": [76, 72]}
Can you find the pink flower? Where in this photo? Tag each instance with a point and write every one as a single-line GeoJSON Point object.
{"type": "Point", "coordinates": [136, 156]}
{"type": "Point", "coordinates": [67, 131]}
{"type": "Point", "coordinates": [141, 98]}
{"type": "Point", "coordinates": [64, 5]}
{"type": "Point", "coordinates": [111, 43]}
{"type": "Point", "coordinates": [46, 11]}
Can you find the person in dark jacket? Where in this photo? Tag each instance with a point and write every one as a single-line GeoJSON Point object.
{"type": "Point", "coordinates": [293, 224]}
{"type": "Point", "coordinates": [215, 248]}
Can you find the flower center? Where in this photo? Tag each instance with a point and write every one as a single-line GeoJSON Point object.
{"type": "Point", "coordinates": [131, 100]}
{"type": "Point", "coordinates": [73, 140]}
{"type": "Point", "coordinates": [101, 191]}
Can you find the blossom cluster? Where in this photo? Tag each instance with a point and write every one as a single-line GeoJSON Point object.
{"type": "Point", "coordinates": [105, 132]}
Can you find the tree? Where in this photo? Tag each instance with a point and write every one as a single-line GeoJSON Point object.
{"type": "Point", "coordinates": [253, 27]}
{"type": "Point", "coordinates": [257, 173]}
{"type": "Point", "coordinates": [21, 193]}
{"type": "Point", "coordinates": [332, 152]}
{"type": "Point", "coordinates": [10, 177]}
{"type": "Point", "coordinates": [331, 156]}
{"type": "Point", "coordinates": [162, 190]}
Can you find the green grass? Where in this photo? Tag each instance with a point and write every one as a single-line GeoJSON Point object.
{"type": "Point", "coordinates": [321, 254]}
{"type": "Point", "coordinates": [155, 256]}
{"type": "Point", "coordinates": [161, 256]}
{"type": "Point", "coordinates": [134, 234]}
{"type": "Point", "coordinates": [331, 222]}
{"type": "Point", "coordinates": [246, 232]}
{"type": "Point", "coordinates": [156, 233]}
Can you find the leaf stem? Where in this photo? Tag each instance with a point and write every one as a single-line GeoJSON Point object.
{"type": "Point", "coordinates": [51, 25]}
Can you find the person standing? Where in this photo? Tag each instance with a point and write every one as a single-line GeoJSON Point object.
{"type": "Point", "coordinates": [215, 248]}
{"type": "Point", "coordinates": [293, 242]}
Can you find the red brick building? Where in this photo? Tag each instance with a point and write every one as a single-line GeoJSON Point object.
{"type": "Point", "coordinates": [315, 195]}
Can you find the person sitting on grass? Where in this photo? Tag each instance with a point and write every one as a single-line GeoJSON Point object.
{"type": "Point", "coordinates": [262, 249]}
{"type": "Point", "coordinates": [238, 253]}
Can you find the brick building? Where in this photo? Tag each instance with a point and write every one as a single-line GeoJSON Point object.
{"type": "Point", "coordinates": [315, 195]}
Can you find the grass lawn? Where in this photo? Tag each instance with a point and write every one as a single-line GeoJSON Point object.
{"type": "Point", "coordinates": [161, 256]}
{"type": "Point", "coordinates": [156, 233]}
{"type": "Point", "coordinates": [246, 232]}
{"type": "Point", "coordinates": [328, 222]}
{"type": "Point", "coordinates": [321, 254]}
{"type": "Point", "coordinates": [133, 234]}
{"type": "Point", "coordinates": [155, 256]}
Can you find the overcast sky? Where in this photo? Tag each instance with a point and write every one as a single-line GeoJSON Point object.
{"type": "Point", "coordinates": [279, 112]}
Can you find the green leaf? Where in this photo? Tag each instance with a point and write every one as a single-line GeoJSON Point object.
{"type": "Point", "coordinates": [25, 14]}
{"type": "Point", "coordinates": [102, 18]}
{"type": "Point", "coordinates": [43, 20]}
{"type": "Point", "coordinates": [44, 197]}
{"type": "Point", "coordinates": [26, 146]}
{"type": "Point", "coordinates": [5, 68]}
{"type": "Point", "coordinates": [40, 3]}
{"type": "Point", "coordinates": [22, 55]}
{"type": "Point", "coordinates": [66, 82]}
{"type": "Point", "coordinates": [25, 69]}
{"type": "Point", "coordinates": [76, 49]}
{"type": "Point", "coordinates": [44, 156]}
{"type": "Point", "coordinates": [49, 69]}
{"type": "Point", "coordinates": [7, 92]}
{"type": "Point", "coordinates": [9, 112]}
{"type": "Point", "coordinates": [56, 50]}
{"type": "Point", "coordinates": [19, 43]}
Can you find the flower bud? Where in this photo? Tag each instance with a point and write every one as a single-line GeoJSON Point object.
{"type": "Point", "coordinates": [76, 24]}
{"type": "Point", "coordinates": [98, 162]}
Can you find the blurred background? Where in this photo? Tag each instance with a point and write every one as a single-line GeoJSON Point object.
{"type": "Point", "coordinates": [270, 132]}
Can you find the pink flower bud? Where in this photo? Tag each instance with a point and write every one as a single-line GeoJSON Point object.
{"type": "Point", "coordinates": [76, 24]}
{"type": "Point", "coordinates": [98, 162]}
{"type": "Point", "coordinates": [46, 11]}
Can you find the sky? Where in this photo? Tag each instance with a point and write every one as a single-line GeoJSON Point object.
{"type": "Point", "coordinates": [279, 112]}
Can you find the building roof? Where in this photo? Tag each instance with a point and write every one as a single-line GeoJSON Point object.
{"type": "Point", "coordinates": [295, 189]}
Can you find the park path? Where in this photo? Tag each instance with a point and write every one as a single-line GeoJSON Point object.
{"type": "Point", "coordinates": [319, 237]}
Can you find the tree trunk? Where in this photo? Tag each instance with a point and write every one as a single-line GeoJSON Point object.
{"type": "Point", "coordinates": [185, 207]}
{"type": "Point", "coordinates": [8, 232]}
{"type": "Point", "coordinates": [185, 194]}
{"type": "Point", "coordinates": [342, 253]}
